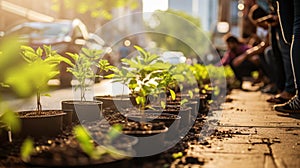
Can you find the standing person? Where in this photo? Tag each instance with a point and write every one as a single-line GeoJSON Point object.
{"type": "Point", "coordinates": [279, 59]}
{"type": "Point", "coordinates": [289, 90]}
{"type": "Point", "coordinates": [291, 33]}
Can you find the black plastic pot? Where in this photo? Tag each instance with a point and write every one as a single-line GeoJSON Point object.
{"type": "Point", "coordinates": [48, 124]}
{"type": "Point", "coordinates": [81, 111]}
{"type": "Point", "coordinates": [194, 105]}
{"type": "Point", "coordinates": [203, 104]}
{"type": "Point", "coordinates": [183, 112]}
{"type": "Point", "coordinates": [202, 101]}
{"type": "Point", "coordinates": [153, 116]}
{"type": "Point", "coordinates": [116, 103]}
{"type": "Point", "coordinates": [149, 141]}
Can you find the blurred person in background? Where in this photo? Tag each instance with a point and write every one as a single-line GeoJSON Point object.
{"type": "Point", "coordinates": [124, 50]}
{"type": "Point", "coordinates": [271, 57]}
{"type": "Point", "coordinates": [235, 48]}
{"type": "Point", "coordinates": [257, 16]}
{"type": "Point", "coordinates": [268, 50]}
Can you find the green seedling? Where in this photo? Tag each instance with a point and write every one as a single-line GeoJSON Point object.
{"type": "Point", "coordinates": [41, 66]}
{"type": "Point", "coordinates": [27, 149]}
{"type": "Point", "coordinates": [83, 68]}
{"type": "Point", "coordinates": [144, 75]}
{"type": "Point", "coordinates": [96, 152]}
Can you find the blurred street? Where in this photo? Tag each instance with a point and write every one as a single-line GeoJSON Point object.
{"type": "Point", "coordinates": [53, 101]}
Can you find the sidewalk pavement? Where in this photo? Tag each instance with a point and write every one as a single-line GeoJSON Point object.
{"type": "Point", "coordinates": [256, 136]}
{"type": "Point", "coordinates": [53, 101]}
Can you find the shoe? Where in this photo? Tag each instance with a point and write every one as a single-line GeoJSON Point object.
{"type": "Point", "coordinates": [256, 81]}
{"type": "Point", "coordinates": [292, 106]}
{"type": "Point", "coordinates": [277, 99]}
{"type": "Point", "coordinates": [270, 89]}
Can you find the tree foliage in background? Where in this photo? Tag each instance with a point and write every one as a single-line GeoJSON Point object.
{"type": "Point", "coordinates": [96, 8]}
{"type": "Point", "coordinates": [178, 25]}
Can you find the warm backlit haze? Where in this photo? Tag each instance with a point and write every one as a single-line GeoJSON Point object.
{"type": "Point", "coordinates": [152, 5]}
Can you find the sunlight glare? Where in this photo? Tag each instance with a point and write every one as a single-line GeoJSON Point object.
{"type": "Point", "coordinates": [153, 5]}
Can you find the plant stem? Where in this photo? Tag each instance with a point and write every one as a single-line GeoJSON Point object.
{"type": "Point", "coordinates": [143, 120]}
{"type": "Point", "coordinates": [123, 88]}
{"type": "Point", "coordinates": [38, 102]}
{"type": "Point", "coordinates": [82, 91]}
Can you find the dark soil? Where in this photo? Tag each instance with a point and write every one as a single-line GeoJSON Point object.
{"type": "Point", "coordinates": [140, 126]}
{"type": "Point", "coordinates": [35, 114]}
{"type": "Point", "coordinates": [64, 150]}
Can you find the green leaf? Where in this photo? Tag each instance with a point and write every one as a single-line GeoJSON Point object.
{"type": "Point", "coordinates": [27, 48]}
{"type": "Point", "coordinates": [110, 76]}
{"type": "Point", "coordinates": [4, 85]}
{"type": "Point", "coordinates": [179, 77]}
{"type": "Point", "coordinates": [47, 49]}
{"type": "Point", "coordinates": [140, 50]}
{"type": "Point", "coordinates": [29, 57]}
{"type": "Point", "coordinates": [132, 63]}
{"type": "Point", "coordinates": [39, 52]}
{"type": "Point", "coordinates": [160, 66]}
{"type": "Point", "coordinates": [46, 94]}
{"type": "Point", "coordinates": [163, 104]}
{"type": "Point", "coordinates": [10, 118]}
{"type": "Point", "coordinates": [114, 131]}
{"type": "Point", "coordinates": [27, 149]}
{"type": "Point", "coordinates": [52, 74]}
{"type": "Point", "coordinates": [177, 155]}
{"type": "Point", "coordinates": [151, 59]}
{"type": "Point", "coordinates": [9, 53]}
{"type": "Point", "coordinates": [53, 60]}
{"type": "Point", "coordinates": [191, 94]}
{"type": "Point", "coordinates": [104, 65]}
{"type": "Point", "coordinates": [87, 52]}
{"type": "Point", "coordinates": [84, 139]}
{"type": "Point", "coordinates": [173, 94]}
{"type": "Point", "coordinates": [138, 100]}
{"type": "Point", "coordinates": [183, 101]}
{"type": "Point", "coordinates": [73, 56]}
{"type": "Point", "coordinates": [217, 91]}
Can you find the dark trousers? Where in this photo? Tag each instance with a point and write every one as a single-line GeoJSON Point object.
{"type": "Point", "coordinates": [289, 11]}
{"type": "Point", "coordinates": [243, 70]}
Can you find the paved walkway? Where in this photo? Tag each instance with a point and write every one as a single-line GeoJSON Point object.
{"type": "Point", "coordinates": [253, 135]}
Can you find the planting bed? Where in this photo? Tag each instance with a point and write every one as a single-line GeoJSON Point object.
{"type": "Point", "coordinates": [65, 151]}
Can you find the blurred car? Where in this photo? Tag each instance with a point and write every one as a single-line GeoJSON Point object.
{"type": "Point", "coordinates": [173, 57]}
{"type": "Point", "coordinates": [95, 42]}
{"type": "Point", "coordinates": [63, 36]}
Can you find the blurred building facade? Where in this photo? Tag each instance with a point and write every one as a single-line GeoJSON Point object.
{"type": "Point", "coordinates": [206, 10]}
{"type": "Point", "coordinates": [13, 12]}
{"type": "Point", "coordinates": [211, 12]}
